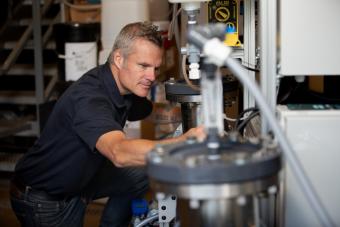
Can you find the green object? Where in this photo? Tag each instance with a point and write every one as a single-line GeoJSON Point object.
{"type": "Point", "coordinates": [312, 106]}
{"type": "Point", "coordinates": [94, 1]}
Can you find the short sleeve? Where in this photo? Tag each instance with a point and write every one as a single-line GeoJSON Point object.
{"type": "Point", "coordinates": [94, 116]}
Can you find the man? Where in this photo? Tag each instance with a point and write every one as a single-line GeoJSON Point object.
{"type": "Point", "coordinates": [83, 153]}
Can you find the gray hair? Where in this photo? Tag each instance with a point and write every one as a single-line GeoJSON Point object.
{"type": "Point", "coordinates": [133, 31]}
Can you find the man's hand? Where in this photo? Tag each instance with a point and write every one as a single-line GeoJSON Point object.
{"type": "Point", "coordinates": [198, 132]}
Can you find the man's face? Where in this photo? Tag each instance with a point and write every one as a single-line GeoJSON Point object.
{"type": "Point", "coordinates": [140, 68]}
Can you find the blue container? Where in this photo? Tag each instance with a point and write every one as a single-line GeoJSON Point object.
{"type": "Point", "coordinates": [139, 207]}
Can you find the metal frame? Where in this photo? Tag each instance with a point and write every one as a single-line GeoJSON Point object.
{"type": "Point", "coordinates": [24, 38]}
{"type": "Point", "coordinates": [268, 75]}
{"type": "Point", "coordinates": [249, 53]}
{"type": "Point", "coordinates": [38, 58]}
{"type": "Point", "coordinates": [37, 96]}
{"type": "Point", "coordinates": [167, 210]}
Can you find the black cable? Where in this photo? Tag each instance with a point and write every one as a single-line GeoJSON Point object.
{"type": "Point", "coordinates": [246, 121]}
{"type": "Point", "coordinates": [251, 69]}
{"type": "Point", "coordinates": [238, 119]}
{"type": "Point", "coordinates": [323, 97]}
{"type": "Point", "coordinates": [288, 89]}
{"type": "Point", "coordinates": [288, 94]}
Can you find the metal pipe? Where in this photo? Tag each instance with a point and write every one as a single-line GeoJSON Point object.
{"type": "Point", "coordinates": [249, 58]}
{"type": "Point", "coordinates": [38, 58]}
{"type": "Point", "coordinates": [268, 30]}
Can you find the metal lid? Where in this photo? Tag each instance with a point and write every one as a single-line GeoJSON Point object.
{"type": "Point", "coordinates": [195, 163]}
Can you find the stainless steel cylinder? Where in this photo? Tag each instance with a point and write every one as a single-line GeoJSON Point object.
{"type": "Point", "coordinates": [236, 184]}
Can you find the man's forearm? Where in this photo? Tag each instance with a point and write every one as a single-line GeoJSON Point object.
{"type": "Point", "coordinates": [132, 152]}
{"type": "Point", "coordinates": [124, 152]}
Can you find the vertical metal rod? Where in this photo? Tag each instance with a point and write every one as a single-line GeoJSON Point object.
{"type": "Point", "coordinates": [38, 58]}
{"type": "Point", "coordinates": [257, 214]}
{"type": "Point", "coordinates": [268, 31]}
{"type": "Point", "coordinates": [280, 200]}
{"type": "Point", "coordinates": [249, 58]}
{"type": "Point", "coordinates": [272, 200]}
{"type": "Point", "coordinates": [62, 12]}
{"type": "Point", "coordinates": [264, 209]}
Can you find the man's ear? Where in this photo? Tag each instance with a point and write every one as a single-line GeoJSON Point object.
{"type": "Point", "coordinates": [118, 59]}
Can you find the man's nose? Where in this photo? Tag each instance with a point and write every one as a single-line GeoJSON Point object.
{"type": "Point", "coordinates": [151, 74]}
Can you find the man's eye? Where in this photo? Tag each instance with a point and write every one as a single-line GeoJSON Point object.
{"type": "Point", "coordinates": [144, 66]}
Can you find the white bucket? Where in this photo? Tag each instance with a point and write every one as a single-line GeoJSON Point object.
{"type": "Point", "coordinates": [115, 15]}
{"type": "Point", "coordinates": [79, 58]}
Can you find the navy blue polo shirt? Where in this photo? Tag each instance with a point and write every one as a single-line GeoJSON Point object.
{"type": "Point", "coordinates": [64, 159]}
